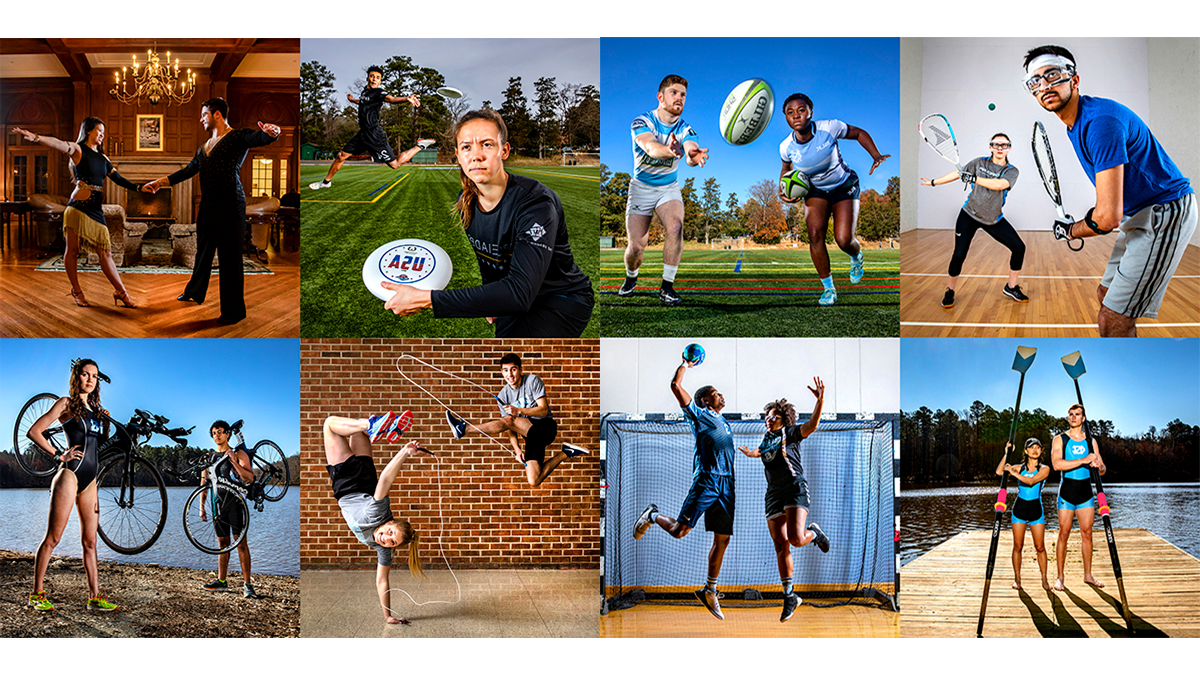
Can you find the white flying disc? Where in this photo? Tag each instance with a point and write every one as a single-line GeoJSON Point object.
{"type": "Point", "coordinates": [418, 263]}
{"type": "Point", "coordinates": [449, 92]}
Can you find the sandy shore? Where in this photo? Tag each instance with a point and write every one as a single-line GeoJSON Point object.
{"type": "Point", "coordinates": [154, 601]}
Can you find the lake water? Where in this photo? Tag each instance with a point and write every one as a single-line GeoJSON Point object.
{"type": "Point", "coordinates": [931, 516]}
{"type": "Point", "coordinates": [274, 534]}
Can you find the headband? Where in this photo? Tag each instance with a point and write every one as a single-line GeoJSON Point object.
{"type": "Point", "coordinates": [1049, 60]}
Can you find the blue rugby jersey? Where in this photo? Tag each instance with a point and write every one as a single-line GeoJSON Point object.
{"type": "Point", "coordinates": [819, 158]}
{"type": "Point", "coordinates": [647, 169]}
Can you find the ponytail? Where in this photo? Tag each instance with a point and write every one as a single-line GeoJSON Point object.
{"type": "Point", "coordinates": [414, 548]}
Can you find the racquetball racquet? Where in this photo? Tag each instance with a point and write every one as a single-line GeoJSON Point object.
{"type": "Point", "coordinates": [935, 129]}
{"type": "Point", "coordinates": [1044, 158]}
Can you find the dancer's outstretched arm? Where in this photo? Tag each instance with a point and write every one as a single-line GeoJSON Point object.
{"type": "Point", "coordinates": [388, 476]}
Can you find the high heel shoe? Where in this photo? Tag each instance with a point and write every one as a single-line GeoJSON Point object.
{"type": "Point", "coordinates": [123, 298]}
{"type": "Point", "coordinates": [79, 299]}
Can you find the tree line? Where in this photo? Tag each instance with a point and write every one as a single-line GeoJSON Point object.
{"type": "Point", "coordinates": [948, 446]}
{"type": "Point", "coordinates": [166, 458]}
{"type": "Point", "coordinates": [763, 217]}
{"type": "Point", "coordinates": [561, 115]}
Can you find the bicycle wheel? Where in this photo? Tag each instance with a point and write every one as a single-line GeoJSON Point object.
{"type": "Point", "coordinates": [270, 470]}
{"type": "Point", "coordinates": [227, 514]}
{"type": "Point", "coordinates": [31, 457]}
{"type": "Point", "coordinates": [133, 504]}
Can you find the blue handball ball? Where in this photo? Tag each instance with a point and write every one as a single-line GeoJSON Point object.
{"type": "Point", "coordinates": [693, 354]}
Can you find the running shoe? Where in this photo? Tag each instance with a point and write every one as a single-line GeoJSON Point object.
{"type": "Point", "coordinates": [644, 521]}
{"type": "Point", "coordinates": [948, 299]}
{"type": "Point", "coordinates": [821, 540]}
{"type": "Point", "coordinates": [1015, 293]}
{"type": "Point", "coordinates": [320, 184]}
{"type": "Point", "coordinates": [790, 603]}
{"type": "Point", "coordinates": [458, 426]}
{"type": "Point", "coordinates": [216, 585]}
{"type": "Point", "coordinates": [100, 604]}
{"type": "Point", "coordinates": [248, 592]}
{"type": "Point", "coordinates": [573, 450]}
{"type": "Point", "coordinates": [711, 601]}
{"type": "Point", "coordinates": [425, 143]}
{"type": "Point", "coordinates": [856, 270]}
{"type": "Point", "coordinates": [40, 603]}
{"type": "Point", "coordinates": [378, 426]}
{"type": "Point", "coordinates": [828, 297]}
{"type": "Point", "coordinates": [627, 287]}
{"type": "Point", "coordinates": [667, 294]}
{"type": "Point", "coordinates": [403, 423]}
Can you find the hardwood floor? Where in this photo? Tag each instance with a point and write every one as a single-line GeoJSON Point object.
{"type": "Point", "coordinates": [1061, 286]}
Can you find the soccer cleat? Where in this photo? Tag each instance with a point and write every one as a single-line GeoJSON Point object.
{"type": "Point", "coordinates": [248, 592]}
{"type": "Point", "coordinates": [790, 603]}
{"type": "Point", "coordinates": [856, 270]}
{"type": "Point", "coordinates": [40, 603]}
{"type": "Point", "coordinates": [820, 540]}
{"type": "Point", "coordinates": [1015, 293]}
{"type": "Point", "coordinates": [711, 601]}
{"type": "Point", "coordinates": [948, 299]}
{"type": "Point", "coordinates": [667, 294]}
{"type": "Point", "coordinates": [828, 297]}
{"type": "Point", "coordinates": [573, 450]}
{"type": "Point", "coordinates": [100, 604]}
{"type": "Point", "coordinates": [320, 184]}
{"type": "Point", "coordinates": [627, 287]}
{"type": "Point", "coordinates": [403, 423]}
{"type": "Point", "coordinates": [644, 521]}
{"type": "Point", "coordinates": [216, 585]}
{"type": "Point", "coordinates": [378, 426]}
{"type": "Point", "coordinates": [458, 426]}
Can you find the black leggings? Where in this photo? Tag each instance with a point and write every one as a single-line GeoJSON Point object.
{"type": "Point", "coordinates": [1001, 231]}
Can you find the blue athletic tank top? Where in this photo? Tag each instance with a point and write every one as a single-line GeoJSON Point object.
{"type": "Point", "coordinates": [1030, 492]}
{"type": "Point", "coordinates": [1072, 450]}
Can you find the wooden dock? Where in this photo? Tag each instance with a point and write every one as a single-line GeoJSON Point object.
{"type": "Point", "coordinates": [940, 592]}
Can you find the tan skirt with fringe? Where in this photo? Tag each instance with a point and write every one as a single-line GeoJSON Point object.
{"type": "Point", "coordinates": [93, 236]}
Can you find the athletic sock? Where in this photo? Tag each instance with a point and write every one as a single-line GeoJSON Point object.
{"type": "Point", "coordinates": [787, 585]}
{"type": "Point", "coordinates": [711, 585]}
{"type": "Point", "coordinates": [669, 273]}
{"type": "Point", "coordinates": [631, 274]}
{"type": "Point", "coordinates": [827, 282]}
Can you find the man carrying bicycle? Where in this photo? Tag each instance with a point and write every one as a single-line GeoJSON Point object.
{"type": "Point", "coordinates": [237, 469]}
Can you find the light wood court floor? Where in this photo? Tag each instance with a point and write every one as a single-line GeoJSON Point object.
{"type": "Point", "coordinates": [941, 590]}
{"type": "Point", "coordinates": [666, 621]}
{"type": "Point", "coordinates": [38, 304]}
{"type": "Point", "coordinates": [1061, 286]}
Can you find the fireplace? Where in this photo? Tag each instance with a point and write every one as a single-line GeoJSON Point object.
{"type": "Point", "coordinates": [154, 209]}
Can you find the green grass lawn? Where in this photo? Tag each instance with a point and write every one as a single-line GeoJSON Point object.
{"type": "Point", "coordinates": [771, 294]}
{"type": "Point", "coordinates": [371, 205]}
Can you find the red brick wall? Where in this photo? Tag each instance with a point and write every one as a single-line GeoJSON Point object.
{"type": "Point", "coordinates": [491, 517]}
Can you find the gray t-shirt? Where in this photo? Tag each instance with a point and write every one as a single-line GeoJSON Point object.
{"type": "Point", "coordinates": [364, 513]}
{"type": "Point", "coordinates": [986, 205]}
{"type": "Point", "coordinates": [528, 391]}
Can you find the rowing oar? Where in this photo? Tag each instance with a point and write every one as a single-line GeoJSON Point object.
{"type": "Point", "coordinates": [1021, 363]}
{"type": "Point", "coordinates": [1074, 365]}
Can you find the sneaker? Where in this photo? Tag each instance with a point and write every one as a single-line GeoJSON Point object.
{"type": "Point", "coordinates": [424, 143]}
{"type": "Point", "coordinates": [644, 521]}
{"type": "Point", "coordinates": [320, 184]}
{"type": "Point", "coordinates": [458, 426]}
{"type": "Point", "coordinates": [711, 601]}
{"type": "Point", "coordinates": [790, 603]}
{"type": "Point", "coordinates": [216, 585]}
{"type": "Point", "coordinates": [248, 592]}
{"type": "Point", "coordinates": [856, 270]}
{"type": "Point", "coordinates": [821, 540]}
{"type": "Point", "coordinates": [403, 423]}
{"type": "Point", "coordinates": [828, 297]}
{"type": "Point", "coordinates": [100, 604]}
{"type": "Point", "coordinates": [378, 426]}
{"type": "Point", "coordinates": [573, 450]}
{"type": "Point", "coordinates": [948, 299]}
{"type": "Point", "coordinates": [40, 603]}
{"type": "Point", "coordinates": [627, 287]}
{"type": "Point", "coordinates": [1015, 293]}
{"type": "Point", "coordinates": [668, 295]}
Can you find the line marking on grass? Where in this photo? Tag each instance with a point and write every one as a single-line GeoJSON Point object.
{"type": "Point", "coordinates": [840, 293]}
{"type": "Point", "coordinates": [359, 201]}
{"type": "Point", "coordinates": [557, 175]}
{"type": "Point", "coordinates": [943, 324]}
{"type": "Point", "coordinates": [1028, 276]}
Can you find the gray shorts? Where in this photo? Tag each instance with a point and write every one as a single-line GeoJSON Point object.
{"type": "Point", "coordinates": [643, 199]}
{"type": "Point", "coordinates": [1149, 246]}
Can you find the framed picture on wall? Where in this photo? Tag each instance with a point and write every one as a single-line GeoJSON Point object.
{"type": "Point", "coordinates": [150, 132]}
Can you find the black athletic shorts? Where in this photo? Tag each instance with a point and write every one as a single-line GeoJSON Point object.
{"type": "Point", "coordinates": [354, 476]}
{"type": "Point", "coordinates": [782, 497]}
{"type": "Point", "coordinates": [555, 316]}
{"type": "Point", "coordinates": [232, 517]}
{"type": "Point", "coordinates": [1075, 491]}
{"type": "Point", "coordinates": [712, 496]}
{"type": "Point", "coordinates": [542, 433]}
{"type": "Point", "coordinates": [372, 142]}
{"type": "Point", "coordinates": [847, 190]}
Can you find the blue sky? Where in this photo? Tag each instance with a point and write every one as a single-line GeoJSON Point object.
{"type": "Point", "coordinates": [1134, 383]}
{"type": "Point", "coordinates": [854, 80]}
{"type": "Point", "coordinates": [191, 382]}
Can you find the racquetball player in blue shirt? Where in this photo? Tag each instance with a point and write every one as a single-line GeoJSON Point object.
{"type": "Point", "coordinates": [711, 493]}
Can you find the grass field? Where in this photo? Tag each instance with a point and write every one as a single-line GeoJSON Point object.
{"type": "Point", "coordinates": [757, 293]}
{"type": "Point", "coordinates": [371, 205]}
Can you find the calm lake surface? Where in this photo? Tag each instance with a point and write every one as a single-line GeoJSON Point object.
{"type": "Point", "coordinates": [274, 534]}
{"type": "Point", "coordinates": [931, 516]}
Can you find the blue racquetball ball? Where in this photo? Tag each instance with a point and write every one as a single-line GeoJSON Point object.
{"type": "Point", "coordinates": [693, 354]}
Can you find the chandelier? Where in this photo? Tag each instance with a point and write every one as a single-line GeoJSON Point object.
{"type": "Point", "coordinates": [153, 82]}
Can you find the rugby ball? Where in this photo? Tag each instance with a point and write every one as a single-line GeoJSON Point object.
{"type": "Point", "coordinates": [794, 185]}
{"type": "Point", "coordinates": [693, 354]}
{"type": "Point", "coordinates": [747, 111]}
{"type": "Point", "coordinates": [418, 263]}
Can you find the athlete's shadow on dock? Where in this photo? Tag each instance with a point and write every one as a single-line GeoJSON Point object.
{"type": "Point", "coordinates": [1116, 628]}
{"type": "Point", "coordinates": [1062, 625]}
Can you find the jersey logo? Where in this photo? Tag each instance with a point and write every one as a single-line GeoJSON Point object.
{"type": "Point", "coordinates": [640, 123]}
{"type": "Point", "coordinates": [537, 231]}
